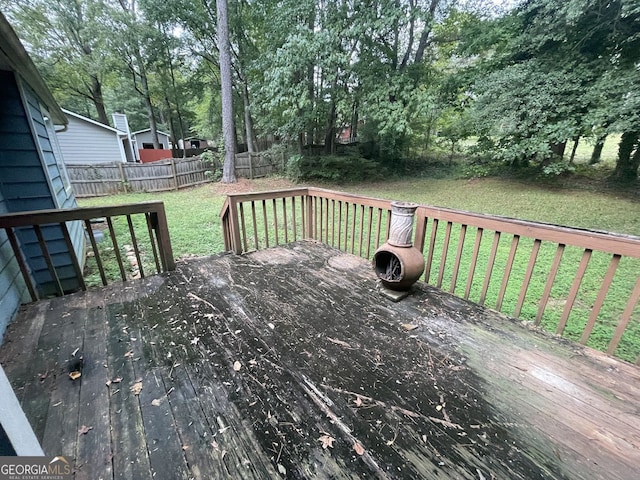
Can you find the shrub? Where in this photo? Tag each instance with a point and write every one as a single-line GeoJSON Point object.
{"type": "Point", "coordinates": [348, 167]}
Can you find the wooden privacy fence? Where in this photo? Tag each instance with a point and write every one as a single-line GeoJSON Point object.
{"type": "Point", "coordinates": [94, 180]}
{"type": "Point", "coordinates": [256, 165]}
{"type": "Point", "coordinates": [581, 284]}
{"type": "Point", "coordinates": [139, 228]}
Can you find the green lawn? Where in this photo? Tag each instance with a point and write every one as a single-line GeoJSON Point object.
{"type": "Point", "coordinates": [193, 217]}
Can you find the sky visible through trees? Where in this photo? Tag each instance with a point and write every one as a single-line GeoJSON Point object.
{"type": "Point", "coordinates": [522, 79]}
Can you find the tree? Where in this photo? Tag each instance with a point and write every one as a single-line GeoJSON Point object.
{"type": "Point", "coordinates": [66, 39]}
{"type": "Point", "coordinates": [228, 127]}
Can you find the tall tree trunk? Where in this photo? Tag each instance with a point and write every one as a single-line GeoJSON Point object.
{"type": "Point", "coordinates": [597, 150]}
{"type": "Point", "coordinates": [557, 149]}
{"type": "Point", "coordinates": [228, 127]}
{"type": "Point", "coordinates": [354, 123]}
{"type": "Point", "coordinates": [626, 166]}
{"type": "Point", "coordinates": [144, 84]}
{"type": "Point", "coordinates": [248, 121]}
{"type": "Point", "coordinates": [98, 100]}
{"type": "Point", "coordinates": [574, 149]}
{"type": "Point", "coordinates": [330, 131]}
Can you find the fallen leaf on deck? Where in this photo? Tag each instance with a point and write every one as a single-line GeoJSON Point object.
{"type": "Point", "coordinates": [129, 353]}
{"type": "Point", "coordinates": [327, 441]}
{"type": "Point", "coordinates": [74, 375]}
{"type": "Point", "coordinates": [185, 447]}
{"type": "Point", "coordinates": [339, 342]}
{"type": "Point", "coordinates": [358, 402]}
{"type": "Point", "coordinates": [116, 380]}
{"type": "Point", "coordinates": [156, 402]}
{"type": "Point", "coordinates": [359, 449]}
{"type": "Point", "coordinates": [237, 366]}
{"type": "Point", "coordinates": [136, 388]}
{"type": "Point", "coordinates": [409, 326]}
{"type": "Point", "coordinates": [73, 354]}
{"type": "Point", "coordinates": [195, 340]}
{"type": "Point", "coordinates": [446, 423]}
{"type": "Point", "coordinates": [281, 469]}
{"type": "Point", "coordinates": [271, 325]}
{"type": "Point", "coordinates": [83, 430]}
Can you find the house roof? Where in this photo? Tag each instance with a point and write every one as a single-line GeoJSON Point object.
{"type": "Point", "coordinates": [13, 56]}
{"type": "Point", "coordinates": [93, 122]}
{"type": "Point", "coordinates": [148, 130]}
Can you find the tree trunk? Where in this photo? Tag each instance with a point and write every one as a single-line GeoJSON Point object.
{"type": "Point", "coordinates": [597, 150]}
{"type": "Point", "coordinates": [248, 121]}
{"type": "Point", "coordinates": [573, 150]}
{"type": "Point", "coordinates": [98, 100]}
{"type": "Point", "coordinates": [144, 84]}
{"type": "Point", "coordinates": [354, 124]}
{"type": "Point", "coordinates": [330, 137]}
{"type": "Point", "coordinates": [557, 149]}
{"type": "Point", "coordinates": [626, 164]}
{"type": "Point", "coordinates": [228, 127]}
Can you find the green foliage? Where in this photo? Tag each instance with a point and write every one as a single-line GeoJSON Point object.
{"type": "Point", "coordinates": [339, 168]}
{"type": "Point", "coordinates": [558, 168]}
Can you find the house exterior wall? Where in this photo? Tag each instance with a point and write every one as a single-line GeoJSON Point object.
{"type": "Point", "coordinates": [145, 137]}
{"type": "Point", "coordinates": [32, 177]}
{"type": "Point", "coordinates": [84, 143]}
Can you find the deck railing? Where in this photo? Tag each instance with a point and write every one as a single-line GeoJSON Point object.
{"type": "Point", "coordinates": [581, 284]}
{"type": "Point", "coordinates": [135, 224]}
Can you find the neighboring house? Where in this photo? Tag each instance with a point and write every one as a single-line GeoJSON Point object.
{"type": "Point", "coordinates": [142, 139]}
{"type": "Point", "coordinates": [32, 176]}
{"type": "Point", "coordinates": [194, 142]}
{"type": "Point", "coordinates": [86, 141]}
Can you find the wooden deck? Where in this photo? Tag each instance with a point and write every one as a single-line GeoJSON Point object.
{"type": "Point", "coordinates": [287, 362]}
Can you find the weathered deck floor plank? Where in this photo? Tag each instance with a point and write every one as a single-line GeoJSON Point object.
{"type": "Point", "coordinates": [287, 362]}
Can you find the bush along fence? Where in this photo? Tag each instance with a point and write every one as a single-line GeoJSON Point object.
{"type": "Point", "coordinates": [93, 180]}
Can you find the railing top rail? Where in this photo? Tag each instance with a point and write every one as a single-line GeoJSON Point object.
{"type": "Point", "coordinates": [351, 198]}
{"type": "Point", "coordinates": [615, 243]}
{"type": "Point", "coordinates": [268, 195]}
{"type": "Point", "coordinates": [43, 217]}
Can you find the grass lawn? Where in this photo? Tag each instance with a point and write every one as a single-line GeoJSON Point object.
{"type": "Point", "coordinates": [193, 217]}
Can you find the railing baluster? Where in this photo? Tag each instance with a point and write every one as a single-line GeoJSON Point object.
{"type": "Point", "coordinates": [445, 251]}
{"type": "Point", "coordinates": [303, 208]}
{"type": "Point", "coordinates": [624, 319]}
{"type": "Point", "coordinates": [96, 253]}
{"type": "Point", "coordinates": [361, 229]}
{"type": "Point", "coordinates": [284, 217]}
{"type": "Point", "coordinates": [72, 253]}
{"type": "Point", "coordinates": [254, 219]}
{"type": "Point", "coordinates": [326, 222]}
{"type": "Point", "coordinates": [339, 224]}
{"type": "Point", "coordinates": [48, 259]}
{"type": "Point", "coordinates": [507, 271]}
{"type": "Point", "coordinates": [492, 260]}
{"type": "Point", "coordinates": [135, 246]}
{"type": "Point", "coordinates": [353, 228]}
{"type": "Point", "coordinates": [573, 292]}
{"type": "Point", "coordinates": [21, 263]}
{"type": "Point", "coordinates": [604, 289]}
{"type": "Point", "coordinates": [147, 218]}
{"type": "Point", "coordinates": [456, 265]}
{"type": "Point", "coordinates": [378, 227]}
{"type": "Point", "coordinates": [474, 262]}
{"type": "Point", "coordinates": [369, 223]}
{"type": "Point", "coordinates": [275, 221]}
{"type": "Point", "coordinates": [333, 222]}
{"type": "Point", "coordinates": [266, 225]}
{"type": "Point", "coordinates": [243, 226]}
{"type": "Point", "coordinates": [432, 246]}
{"type": "Point", "coordinates": [293, 218]}
{"type": "Point", "coordinates": [542, 305]}
{"type": "Point", "coordinates": [116, 249]}
{"type": "Point", "coordinates": [346, 226]}
{"type": "Point", "coordinates": [527, 276]}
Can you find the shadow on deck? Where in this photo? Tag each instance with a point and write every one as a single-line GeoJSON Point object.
{"type": "Point", "coordinates": [287, 362]}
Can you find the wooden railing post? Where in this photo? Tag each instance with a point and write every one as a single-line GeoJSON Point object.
{"type": "Point", "coordinates": [309, 215]}
{"type": "Point", "coordinates": [164, 241]}
{"type": "Point", "coordinates": [236, 244]}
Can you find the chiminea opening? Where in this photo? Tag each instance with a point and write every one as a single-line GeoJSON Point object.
{"type": "Point", "coordinates": [397, 263]}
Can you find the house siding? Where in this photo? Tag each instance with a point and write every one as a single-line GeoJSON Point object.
{"type": "Point", "coordinates": [145, 137]}
{"type": "Point", "coordinates": [85, 143]}
{"type": "Point", "coordinates": [25, 186]}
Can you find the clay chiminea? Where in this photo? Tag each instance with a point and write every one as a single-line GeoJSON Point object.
{"type": "Point", "coordinates": [398, 264]}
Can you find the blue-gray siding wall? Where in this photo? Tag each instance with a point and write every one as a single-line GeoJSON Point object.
{"type": "Point", "coordinates": [25, 186]}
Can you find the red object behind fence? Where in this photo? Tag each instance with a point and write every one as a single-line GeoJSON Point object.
{"type": "Point", "coordinates": [153, 155]}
